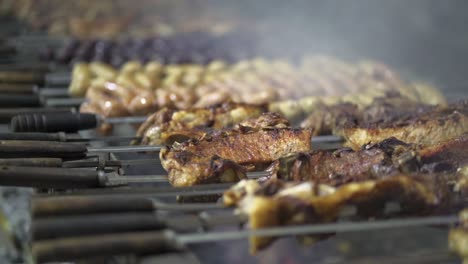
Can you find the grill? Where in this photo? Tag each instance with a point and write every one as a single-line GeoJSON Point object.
{"type": "Point", "coordinates": [96, 200]}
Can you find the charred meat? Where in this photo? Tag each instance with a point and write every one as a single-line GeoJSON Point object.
{"type": "Point", "coordinates": [269, 205]}
{"type": "Point", "coordinates": [252, 148]}
{"type": "Point", "coordinates": [420, 124]}
{"type": "Point", "coordinates": [372, 161]}
{"type": "Point", "coordinates": [168, 125]}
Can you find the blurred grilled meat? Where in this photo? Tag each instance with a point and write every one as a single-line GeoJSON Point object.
{"type": "Point", "coordinates": [168, 125]}
{"type": "Point", "coordinates": [278, 204]}
{"type": "Point", "coordinates": [411, 123]}
{"type": "Point", "coordinates": [190, 162]}
{"type": "Point", "coordinates": [458, 237]}
{"type": "Point", "coordinates": [293, 91]}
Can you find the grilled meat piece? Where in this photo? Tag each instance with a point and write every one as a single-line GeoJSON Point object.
{"type": "Point", "coordinates": [306, 203]}
{"type": "Point", "coordinates": [331, 118]}
{"type": "Point", "coordinates": [249, 147]}
{"type": "Point", "coordinates": [324, 118]}
{"type": "Point", "coordinates": [341, 166]}
{"type": "Point", "coordinates": [169, 125]}
{"type": "Point", "coordinates": [421, 124]}
{"type": "Point", "coordinates": [371, 161]}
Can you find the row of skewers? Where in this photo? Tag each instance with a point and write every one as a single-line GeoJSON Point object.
{"type": "Point", "coordinates": [403, 151]}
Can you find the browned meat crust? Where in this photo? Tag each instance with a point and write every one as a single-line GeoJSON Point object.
{"type": "Point", "coordinates": [253, 148]}
{"type": "Point", "coordinates": [371, 162]}
{"type": "Point", "coordinates": [168, 125]}
{"type": "Point", "coordinates": [416, 194]}
{"type": "Point", "coordinates": [424, 125]}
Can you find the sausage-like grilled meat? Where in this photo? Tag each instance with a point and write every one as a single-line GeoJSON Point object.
{"type": "Point", "coordinates": [186, 163]}
{"type": "Point", "coordinates": [270, 205]}
{"type": "Point", "coordinates": [292, 91]}
{"type": "Point", "coordinates": [421, 124]}
{"type": "Point", "coordinates": [169, 125]}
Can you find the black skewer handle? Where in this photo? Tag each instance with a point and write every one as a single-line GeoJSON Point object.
{"type": "Point", "coordinates": [32, 162]}
{"type": "Point", "coordinates": [67, 249]}
{"type": "Point", "coordinates": [41, 177]}
{"type": "Point", "coordinates": [51, 206]}
{"type": "Point", "coordinates": [41, 149]}
{"type": "Point", "coordinates": [54, 122]}
{"type": "Point", "coordinates": [7, 88]}
{"type": "Point", "coordinates": [6, 114]}
{"type": "Point", "coordinates": [59, 136]}
{"type": "Point", "coordinates": [19, 100]}
{"type": "Point", "coordinates": [57, 227]}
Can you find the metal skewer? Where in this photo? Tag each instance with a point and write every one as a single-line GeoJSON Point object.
{"type": "Point", "coordinates": [58, 178]}
{"type": "Point", "coordinates": [168, 241]}
{"type": "Point", "coordinates": [62, 137]}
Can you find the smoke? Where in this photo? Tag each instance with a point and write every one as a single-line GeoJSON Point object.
{"type": "Point", "coordinates": [423, 39]}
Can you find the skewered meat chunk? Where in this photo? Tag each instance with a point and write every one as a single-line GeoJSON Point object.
{"type": "Point", "coordinates": [372, 161]}
{"type": "Point", "coordinates": [341, 166]}
{"type": "Point", "coordinates": [249, 147]}
{"type": "Point", "coordinates": [421, 124]}
{"type": "Point", "coordinates": [458, 237]}
{"type": "Point", "coordinates": [169, 125]}
{"type": "Point", "coordinates": [311, 203]}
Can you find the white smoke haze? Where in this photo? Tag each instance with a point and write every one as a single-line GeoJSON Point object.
{"type": "Point", "coordinates": [422, 39]}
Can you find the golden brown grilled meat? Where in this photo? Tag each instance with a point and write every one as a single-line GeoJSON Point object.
{"type": "Point", "coordinates": [421, 124]}
{"type": "Point", "coordinates": [168, 125]}
{"type": "Point", "coordinates": [186, 163]}
{"type": "Point", "coordinates": [268, 206]}
{"type": "Point", "coordinates": [293, 91]}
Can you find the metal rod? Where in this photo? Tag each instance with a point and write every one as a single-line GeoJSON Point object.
{"type": "Point", "coordinates": [125, 120]}
{"type": "Point", "coordinates": [319, 229]}
{"type": "Point", "coordinates": [120, 149]}
{"type": "Point", "coordinates": [64, 102]}
{"type": "Point", "coordinates": [167, 191]}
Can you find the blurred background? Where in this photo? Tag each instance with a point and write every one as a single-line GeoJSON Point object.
{"type": "Point", "coordinates": [425, 39]}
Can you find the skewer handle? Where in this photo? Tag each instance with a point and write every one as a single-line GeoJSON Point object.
{"type": "Point", "coordinates": [60, 206]}
{"type": "Point", "coordinates": [41, 177]}
{"type": "Point", "coordinates": [67, 249]}
{"type": "Point", "coordinates": [32, 162]}
{"type": "Point", "coordinates": [16, 88]}
{"type": "Point", "coordinates": [6, 114]}
{"type": "Point", "coordinates": [59, 227]}
{"type": "Point", "coordinates": [41, 149]}
{"type": "Point", "coordinates": [60, 136]}
{"type": "Point", "coordinates": [56, 122]}
{"type": "Point", "coordinates": [21, 77]}
{"type": "Point", "coordinates": [19, 100]}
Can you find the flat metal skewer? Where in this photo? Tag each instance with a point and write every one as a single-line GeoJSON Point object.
{"type": "Point", "coordinates": [169, 241]}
